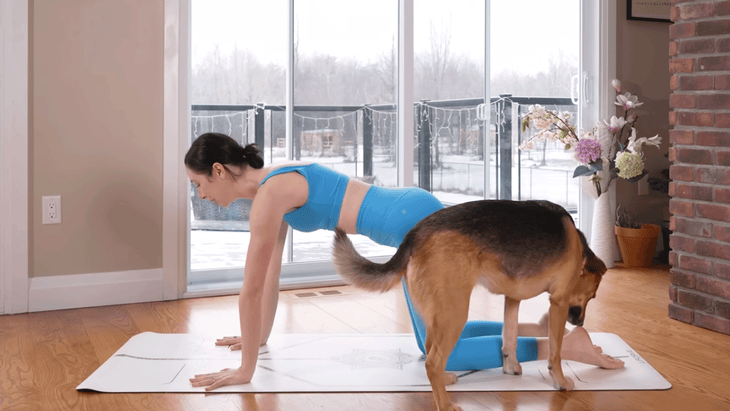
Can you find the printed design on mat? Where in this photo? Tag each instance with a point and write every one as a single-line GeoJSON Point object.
{"type": "Point", "coordinates": [360, 359]}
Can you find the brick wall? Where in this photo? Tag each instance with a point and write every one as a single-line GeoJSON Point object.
{"type": "Point", "coordinates": [699, 62]}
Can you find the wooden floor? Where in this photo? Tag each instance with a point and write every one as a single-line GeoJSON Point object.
{"type": "Point", "coordinates": [44, 356]}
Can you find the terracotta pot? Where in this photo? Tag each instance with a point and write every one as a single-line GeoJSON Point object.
{"type": "Point", "coordinates": [637, 244]}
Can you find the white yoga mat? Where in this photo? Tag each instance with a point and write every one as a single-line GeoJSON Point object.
{"type": "Point", "coordinates": [151, 362]}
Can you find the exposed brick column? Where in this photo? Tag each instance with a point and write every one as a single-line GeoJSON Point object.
{"type": "Point", "coordinates": [699, 51]}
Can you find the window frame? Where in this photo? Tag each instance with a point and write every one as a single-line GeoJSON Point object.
{"type": "Point", "coordinates": [176, 259]}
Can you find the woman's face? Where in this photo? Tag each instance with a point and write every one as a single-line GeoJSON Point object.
{"type": "Point", "coordinates": [214, 187]}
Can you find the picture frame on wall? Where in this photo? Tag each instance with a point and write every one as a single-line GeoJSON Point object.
{"type": "Point", "coordinates": [649, 10]}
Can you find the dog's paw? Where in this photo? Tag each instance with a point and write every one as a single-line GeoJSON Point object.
{"type": "Point", "coordinates": [565, 386]}
{"type": "Point", "coordinates": [450, 378]}
{"type": "Point", "coordinates": [510, 366]}
{"type": "Point", "coordinates": [453, 407]}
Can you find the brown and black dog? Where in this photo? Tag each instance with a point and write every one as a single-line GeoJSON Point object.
{"type": "Point", "coordinates": [516, 248]}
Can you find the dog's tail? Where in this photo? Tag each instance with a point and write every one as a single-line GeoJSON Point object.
{"type": "Point", "coordinates": [363, 273]}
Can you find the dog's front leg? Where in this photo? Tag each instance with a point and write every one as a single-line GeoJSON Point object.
{"type": "Point", "coordinates": [558, 317]}
{"type": "Point", "coordinates": [510, 365]}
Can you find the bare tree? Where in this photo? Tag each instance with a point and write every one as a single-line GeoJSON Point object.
{"type": "Point", "coordinates": [440, 47]}
{"type": "Point", "coordinates": [386, 71]}
{"type": "Point", "coordinates": [326, 68]}
{"type": "Point", "coordinates": [322, 79]}
{"type": "Point", "coordinates": [560, 70]}
{"type": "Point", "coordinates": [212, 78]}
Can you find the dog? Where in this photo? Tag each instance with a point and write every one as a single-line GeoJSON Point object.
{"type": "Point", "coordinates": [516, 248]}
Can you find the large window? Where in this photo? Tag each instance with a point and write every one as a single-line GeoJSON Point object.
{"type": "Point", "coordinates": [238, 87]}
{"type": "Point", "coordinates": [448, 88]}
{"type": "Point", "coordinates": [477, 66]}
{"type": "Point", "coordinates": [535, 51]}
{"type": "Point", "coordinates": [344, 100]}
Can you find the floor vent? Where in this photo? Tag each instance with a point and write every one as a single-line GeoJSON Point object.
{"type": "Point", "coordinates": [313, 294]}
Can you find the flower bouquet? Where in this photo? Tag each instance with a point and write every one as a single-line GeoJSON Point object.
{"type": "Point", "coordinates": [612, 145]}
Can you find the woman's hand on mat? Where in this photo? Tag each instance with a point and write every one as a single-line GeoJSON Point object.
{"type": "Point", "coordinates": [234, 343]}
{"type": "Point", "coordinates": [225, 377]}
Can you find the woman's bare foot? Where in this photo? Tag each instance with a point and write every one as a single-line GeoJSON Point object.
{"type": "Point", "coordinates": [539, 329]}
{"type": "Point", "coordinates": [577, 346]}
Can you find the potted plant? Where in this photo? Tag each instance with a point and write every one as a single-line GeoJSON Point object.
{"type": "Point", "coordinates": [636, 241]}
{"type": "Point", "coordinates": [612, 145]}
{"type": "Point", "coordinates": [611, 150]}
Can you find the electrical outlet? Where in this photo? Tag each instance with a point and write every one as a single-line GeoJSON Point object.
{"type": "Point", "coordinates": [643, 186]}
{"type": "Point", "coordinates": [51, 209]}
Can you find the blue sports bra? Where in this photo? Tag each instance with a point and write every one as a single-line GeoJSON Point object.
{"type": "Point", "coordinates": [326, 191]}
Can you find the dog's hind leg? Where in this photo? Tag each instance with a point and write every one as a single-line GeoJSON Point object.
{"type": "Point", "coordinates": [444, 310]}
{"type": "Point", "coordinates": [442, 333]}
{"type": "Point", "coordinates": [440, 287]}
{"type": "Point", "coordinates": [510, 365]}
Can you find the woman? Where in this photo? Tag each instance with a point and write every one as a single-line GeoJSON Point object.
{"type": "Point", "coordinates": [308, 197]}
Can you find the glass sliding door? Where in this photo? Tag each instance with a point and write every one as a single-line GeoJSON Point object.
{"type": "Point", "coordinates": [345, 101]}
{"type": "Point", "coordinates": [473, 61]}
{"type": "Point", "coordinates": [597, 69]}
{"type": "Point", "coordinates": [534, 50]}
{"type": "Point", "coordinates": [535, 55]}
{"type": "Point", "coordinates": [237, 87]}
{"type": "Point", "coordinates": [448, 87]}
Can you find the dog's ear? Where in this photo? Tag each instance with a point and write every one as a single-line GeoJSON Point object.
{"type": "Point", "coordinates": [591, 262]}
{"type": "Point", "coordinates": [595, 265]}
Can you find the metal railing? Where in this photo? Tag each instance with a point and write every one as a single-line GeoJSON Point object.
{"type": "Point", "coordinates": [439, 125]}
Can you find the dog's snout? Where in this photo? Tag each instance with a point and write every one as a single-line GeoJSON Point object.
{"type": "Point", "coordinates": [574, 315]}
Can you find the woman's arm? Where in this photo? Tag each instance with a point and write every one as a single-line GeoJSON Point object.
{"type": "Point", "coordinates": [267, 212]}
{"type": "Point", "coordinates": [271, 286]}
{"type": "Point", "coordinates": [266, 220]}
{"type": "Point", "coordinates": [271, 294]}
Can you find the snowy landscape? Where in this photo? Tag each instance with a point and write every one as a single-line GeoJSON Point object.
{"type": "Point", "coordinates": [460, 180]}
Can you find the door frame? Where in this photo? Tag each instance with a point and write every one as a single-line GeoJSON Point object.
{"type": "Point", "coordinates": [14, 227]}
{"type": "Point", "coordinates": [605, 64]}
{"type": "Point", "coordinates": [176, 130]}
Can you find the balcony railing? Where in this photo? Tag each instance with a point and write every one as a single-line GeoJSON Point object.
{"type": "Point", "coordinates": [367, 134]}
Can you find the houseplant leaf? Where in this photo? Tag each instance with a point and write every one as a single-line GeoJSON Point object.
{"type": "Point", "coordinates": [582, 171]}
{"type": "Point", "coordinates": [637, 178]}
{"type": "Point", "coordinates": [588, 170]}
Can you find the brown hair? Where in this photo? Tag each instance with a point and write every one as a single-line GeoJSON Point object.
{"type": "Point", "coordinates": [211, 148]}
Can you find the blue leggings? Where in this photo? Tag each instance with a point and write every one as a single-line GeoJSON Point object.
{"type": "Point", "coordinates": [386, 216]}
{"type": "Point", "coordinates": [479, 346]}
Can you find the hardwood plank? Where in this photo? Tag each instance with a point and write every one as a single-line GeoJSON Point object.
{"type": "Point", "coordinates": [163, 317]}
{"type": "Point", "coordinates": [43, 356]}
{"type": "Point", "coordinates": [303, 317]}
{"type": "Point", "coordinates": [108, 328]}
{"type": "Point", "coordinates": [360, 401]}
{"type": "Point", "coordinates": [391, 304]}
{"type": "Point", "coordinates": [356, 315]}
{"type": "Point", "coordinates": [46, 359]}
{"type": "Point", "coordinates": [16, 373]}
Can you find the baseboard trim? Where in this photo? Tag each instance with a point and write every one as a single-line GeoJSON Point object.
{"type": "Point", "coordinates": [92, 290]}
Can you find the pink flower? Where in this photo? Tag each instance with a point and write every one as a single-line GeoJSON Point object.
{"type": "Point", "coordinates": [614, 125]}
{"type": "Point", "coordinates": [616, 84]}
{"type": "Point", "coordinates": [627, 101]}
{"type": "Point", "coordinates": [588, 150]}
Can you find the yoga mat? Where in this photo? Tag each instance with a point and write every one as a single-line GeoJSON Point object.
{"type": "Point", "coordinates": [151, 362]}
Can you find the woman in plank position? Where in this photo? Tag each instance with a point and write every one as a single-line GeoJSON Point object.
{"type": "Point", "coordinates": [308, 197]}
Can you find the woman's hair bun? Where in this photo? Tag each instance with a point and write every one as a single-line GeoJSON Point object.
{"type": "Point", "coordinates": [252, 157]}
{"type": "Point", "coordinates": [211, 148]}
